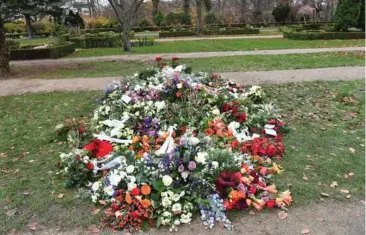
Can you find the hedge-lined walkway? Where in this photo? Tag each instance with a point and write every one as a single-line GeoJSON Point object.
{"type": "Point", "coordinates": [149, 57]}
{"type": "Point", "coordinates": [21, 86]}
{"type": "Point", "coordinates": [255, 36]}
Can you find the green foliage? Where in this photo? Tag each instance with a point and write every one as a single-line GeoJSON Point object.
{"type": "Point", "coordinates": [46, 53]}
{"type": "Point", "coordinates": [159, 19]}
{"type": "Point", "coordinates": [361, 19]}
{"type": "Point", "coordinates": [43, 26]}
{"type": "Point", "coordinates": [178, 18]}
{"type": "Point", "coordinates": [347, 14]}
{"type": "Point", "coordinates": [323, 35]}
{"type": "Point", "coordinates": [281, 12]}
{"type": "Point", "coordinates": [230, 31]}
{"type": "Point", "coordinates": [210, 18]}
{"type": "Point", "coordinates": [176, 34]}
{"type": "Point", "coordinates": [74, 20]}
{"type": "Point", "coordinates": [14, 27]}
{"type": "Point", "coordinates": [11, 44]}
{"type": "Point", "coordinates": [144, 23]}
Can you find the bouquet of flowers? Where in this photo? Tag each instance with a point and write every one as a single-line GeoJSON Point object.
{"type": "Point", "coordinates": [168, 143]}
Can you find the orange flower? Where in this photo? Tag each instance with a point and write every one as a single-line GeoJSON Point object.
{"type": "Point", "coordinates": [145, 203]}
{"type": "Point", "coordinates": [135, 139]}
{"type": "Point", "coordinates": [271, 188]}
{"type": "Point", "coordinates": [235, 194]}
{"type": "Point", "coordinates": [128, 198]}
{"type": "Point", "coordinates": [145, 138]}
{"type": "Point", "coordinates": [145, 189]}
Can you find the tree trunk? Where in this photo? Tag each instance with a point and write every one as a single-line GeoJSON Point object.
{"type": "Point", "coordinates": [155, 7]}
{"type": "Point", "coordinates": [126, 36]}
{"type": "Point", "coordinates": [243, 7]}
{"type": "Point", "coordinates": [186, 6]}
{"type": "Point", "coordinates": [199, 23]}
{"type": "Point", "coordinates": [4, 54]}
{"type": "Point", "coordinates": [28, 25]}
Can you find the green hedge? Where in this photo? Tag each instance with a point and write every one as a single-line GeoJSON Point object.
{"type": "Point", "coordinates": [103, 41]}
{"type": "Point", "coordinates": [18, 35]}
{"type": "Point", "coordinates": [323, 35]}
{"type": "Point", "coordinates": [229, 31]}
{"type": "Point", "coordinates": [176, 34]}
{"type": "Point", "coordinates": [11, 44]}
{"type": "Point", "coordinates": [46, 53]}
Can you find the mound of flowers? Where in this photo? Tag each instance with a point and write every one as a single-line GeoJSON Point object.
{"type": "Point", "coordinates": [169, 143]}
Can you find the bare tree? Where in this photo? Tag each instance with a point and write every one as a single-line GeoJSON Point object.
{"type": "Point", "coordinates": [4, 54]}
{"type": "Point", "coordinates": [199, 23]}
{"type": "Point", "coordinates": [155, 7]}
{"type": "Point", "coordinates": [186, 6]}
{"type": "Point", "coordinates": [126, 11]}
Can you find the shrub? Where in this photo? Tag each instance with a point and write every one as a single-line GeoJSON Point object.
{"type": "Point", "coordinates": [231, 31]}
{"type": "Point", "coordinates": [176, 34]}
{"type": "Point", "coordinates": [144, 23]}
{"type": "Point", "coordinates": [12, 44]}
{"type": "Point", "coordinates": [347, 14]}
{"type": "Point", "coordinates": [46, 53]}
{"type": "Point", "coordinates": [361, 18]}
{"type": "Point", "coordinates": [323, 35]}
{"type": "Point", "coordinates": [211, 18]}
{"type": "Point", "coordinates": [178, 18]}
{"type": "Point", "coordinates": [13, 27]}
{"type": "Point", "coordinates": [43, 26]}
{"type": "Point", "coordinates": [159, 19]}
{"type": "Point", "coordinates": [281, 12]}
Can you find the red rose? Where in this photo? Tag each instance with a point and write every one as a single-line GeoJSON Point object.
{"type": "Point", "coordinates": [99, 148]}
{"type": "Point", "coordinates": [81, 130]}
{"type": "Point", "coordinates": [241, 117]}
{"type": "Point", "coordinates": [135, 214]}
{"type": "Point", "coordinates": [163, 64]}
{"type": "Point", "coordinates": [157, 59]}
{"type": "Point", "coordinates": [214, 76]}
{"type": "Point", "coordinates": [90, 166]}
{"type": "Point", "coordinates": [235, 144]}
{"type": "Point", "coordinates": [78, 158]}
{"type": "Point", "coordinates": [209, 131]}
{"type": "Point", "coordinates": [278, 138]}
{"type": "Point", "coordinates": [271, 150]}
{"type": "Point", "coordinates": [175, 58]}
{"type": "Point", "coordinates": [271, 204]}
{"type": "Point", "coordinates": [226, 107]}
{"type": "Point", "coordinates": [252, 189]}
{"type": "Point", "coordinates": [178, 94]}
{"type": "Point", "coordinates": [135, 192]}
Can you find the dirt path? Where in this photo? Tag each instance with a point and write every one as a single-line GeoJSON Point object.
{"type": "Point", "coordinates": [149, 57]}
{"type": "Point", "coordinates": [21, 86]}
{"type": "Point", "coordinates": [323, 218]}
{"type": "Point", "coordinates": [216, 38]}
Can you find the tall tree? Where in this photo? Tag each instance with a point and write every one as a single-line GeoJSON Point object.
{"type": "Point", "coordinates": [347, 14]}
{"type": "Point", "coordinates": [186, 6]}
{"type": "Point", "coordinates": [126, 11]}
{"type": "Point", "coordinates": [4, 53]}
{"type": "Point", "coordinates": [199, 23]}
{"type": "Point", "coordinates": [155, 7]}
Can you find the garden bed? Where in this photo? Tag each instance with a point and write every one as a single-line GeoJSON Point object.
{"type": "Point", "coordinates": [323, 35]}
{"type": "Point", "coordinates": [44, 53]}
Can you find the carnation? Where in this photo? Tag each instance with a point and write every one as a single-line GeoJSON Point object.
{"type": "Point", "coordinates": [201, 157]}
{"type": "Point", "coordinates": [130, 169]}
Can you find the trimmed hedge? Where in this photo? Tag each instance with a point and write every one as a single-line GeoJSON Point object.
{"type": "Point", "coordinates": [323, 35]}
{"type": "Point", "coordinates": [11, 44]}
{"type": "Point", "coordinates": [229, 31]}
{"type": "Point", "coordinates": [103, 41]}
{"type": "Point", "coordinates": [46, 53]}
{"type": "Point", "coordinates": [18, 35]}
{"type": "Point", "coordinates": [176, 34]}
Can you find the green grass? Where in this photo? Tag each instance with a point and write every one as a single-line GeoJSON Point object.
{"type": "Point", "coordinates": [216, 64]}
{"type": "Point", "coordinates": [323, 127]}
{"type": "Point", "coordinates": [220, 45]}
{"type": "Point", "coordinates": [36, 41]}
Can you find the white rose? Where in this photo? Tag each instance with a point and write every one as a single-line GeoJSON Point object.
{"type": "Point", "coordinates": [216, 112]}
{"type": "Point", "coordinates": [115, 179]}
{"type": "Point", "coordinates": [195, 140]}
{"type": "Point", "coordinates": [214, 164]}
{"type": "Point", "coordinates": [109, 190]}
{"type": "Point", "coordinates": [185, 175]}
{"type": "Point", "coordinates": [177, 208]}
{"type": "Point", "coordinates": [130, 169]}
{"type": "Point", "coordinates": [179, 86]}
{"type": "Point", "coordinates": [96, 186]}
{"type": "Point", "coordinates": [201, 157]}
{"type": "Point", "coordinates": [167, 180]}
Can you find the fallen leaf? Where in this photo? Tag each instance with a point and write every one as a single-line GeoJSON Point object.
{"type": "Point", "coordinates": [103, 202]}
{"type": "Point", "coordinates": [305, 177]}
{"type": "Point", "coordinates": [93, 228]}
{"type": "Point", "coordinates": [349, 196]}
{"type": "Point", "coordinates": [26, 193]}
{"type": "Point", "coordinates": [16, 171]}
{"type": "Point", "coordinates": [305, 231]}
{"type": "Point", "coordinates": [96, 211]}
{"type": "Point", "coordinates": [351, 174]}
{"type": "Point", "coordinates": [61, 195]}
{"type": "Point", "coordinates": [5, 170]}
{"type": "Point", "coordinates": [12, 212]}
{"type": "Point", "coordinates": [352, 150]}
{"type": "Point", "coordinates": [319, 183]}
{"type": "Point", "coordinates": [344, 191]}
{"type": "Point", "coordinates": [9, 200]}
{"type": "Point", "coordinates": [282, 215]}
{"type": "Point", "coordinates": [324, 194]}
{"type": "Point", "coordinates": [33, 226]}
{"type": "Point", "coordinates": [251, 213]}
{"type": "Point", "coordinates": [3, 155]}
{"type": "Point", "coordinates": [308, 167]}
{"type": "Point", "coordinates": [12, 148]}
{"type": "Point", "coordinates": [334, 184]}
{"type": "Point", "coordinates": [346, 176]}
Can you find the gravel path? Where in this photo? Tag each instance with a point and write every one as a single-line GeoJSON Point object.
{"type": "Point", "coordinates": [215, 38]}
{"type": "Point", "coordinates": [149, 57]}
{"type": "Point", "coordinates": [21, 86]}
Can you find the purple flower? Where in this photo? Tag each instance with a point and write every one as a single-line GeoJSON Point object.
{"type": "Point", "coordinates": [192, 165]}
{"type": "Point", "coordinates": [180, 168]}
{"type": "Point", "coordinates": [242, 188]}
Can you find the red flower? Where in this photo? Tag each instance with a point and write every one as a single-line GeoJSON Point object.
{"type": "Point", "coordinates": [175, 58]}
{"type": "Point", "coordinates": [252, 189]}
{"type": "Point", "coordinates": [135, 192]}
{"type": "Point", "coordinates": [157, 59]}
{"type": "Point", "coordinates": [214, 76]}
{"type": "Point", "coordinates": [271, 150]}
{"type": "Point", "coordinates": [271, 203]}
{"type": "Point", "coordinates": [81, 130]}
{"type": "Point", "coordinates": [209, 131]}
{"type": "Point", "coordinates": [90, 166]}
{"type": "Point", "coordinates": [278, 138]}
{"type": "Point", "coordinates": [99, 148]}
{"type": "Point", "coordinates": [241, 117]}
{"type": "Point", "coordinates": [178, 94]}
{"type": "Point", "coordinates": [163, 64]}
{"type": "Point", "coordinates": [235, 144]}
{"type": "Point", "coordinates": [78, 158]}
{"type": "Point", "coordinates": [227, 179]}
{"type": "Point", "coordinates": [226, 107]}
{"type": "Point", "coordinates": [135, 214]}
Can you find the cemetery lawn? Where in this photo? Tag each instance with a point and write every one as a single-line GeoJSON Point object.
{"type": "Point", "coordinates": [325, 142]}
{"type": "Point", "coordinates": [220, 45]}
{"type": "Point", "coordinates": [214, 64]}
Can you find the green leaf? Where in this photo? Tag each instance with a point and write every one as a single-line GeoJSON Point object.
{"type": "Point", "coordinates": [158, 185]}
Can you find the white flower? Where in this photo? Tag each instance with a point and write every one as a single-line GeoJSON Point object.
{"type": "Point", "coordinates": [166, 202]}
{"type": "Point", "coordinates": [96, 186]}
{"type": "Point", "coordinates": [214, 164]}
{"type": "Point", "coordinates": [176, 222]}
{"type": "Point", "coordinates": [177, 208]}
{"type": "Point", "coordinates": [179, 86]}
{"type": "Point", "coordinates": [176, 197]}
{"type": "Point", "coordinates": [59, 126]}
{"type": "Point", "coordinates": [201, 157]}
{"type": "Point", "coordinates": [167, 180]}
{"type": "Point", "coordinates": [185, 175]}
{"type": "Point", "coordinates": [131, 186]}
{"type": "Point", "coordinates": [130, 169]}
{"type": "Point", "coordinates": [185, 218]}
{"type": "Point", "coordinates": [160, 105]}
{"type": "Point", "coordinates": [216, 112]}
{"type": "Point", "coordinates": [194, 140]}
{"type": "Point", "coordinates": [109, 190]}
{"type": "Point", "coordinates": [167, 214]}
{"type": "Point", "coordinates": [94, 198]}
{"type": "Point", "coordinates": [115, 179]}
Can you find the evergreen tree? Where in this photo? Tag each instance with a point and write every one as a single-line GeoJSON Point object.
{"type": "Point", "coordinates": [361, 18]}
{"type": "Point", "coordinates": [347, 14]}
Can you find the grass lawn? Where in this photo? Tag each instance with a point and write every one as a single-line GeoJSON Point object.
{"type": "Point", "coordinates": [219, 64]}
{"type": "Point", "coordinates": [326, 120]}
{"type": "Point", "coordinates": [36, 41]}
{"type": "Point", "coordinates": [220, 45]}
